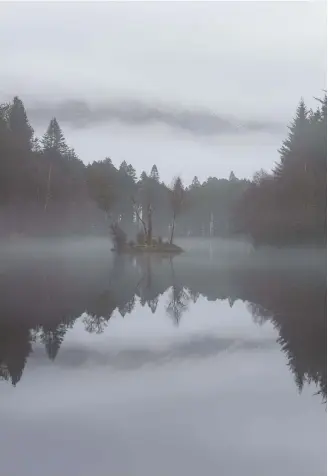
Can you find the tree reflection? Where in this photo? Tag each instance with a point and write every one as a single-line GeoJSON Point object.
{"type": "Point", "coordinates": [178, 303]}
{"type": "Point", "coordinates": [52, 337]}
{"type": "Point", "coordinates": [299, 315]}
{"type": "Point", "coordinates": [54, 294]}
{"type": "Point", "coordinates": [194, 295]}
{"type": "Point", "coordinates": [152, 303]}
{"type": "Point", "coordinates": [127, 307]}
{"type": "Point", "coordinates": [259, 313]}
{"type": "Point", "coordinates": [94, 324]}
{"type": "Point", "coordinates": [15, 347]}
{"type": "Point", "coordinates": [178, 298]}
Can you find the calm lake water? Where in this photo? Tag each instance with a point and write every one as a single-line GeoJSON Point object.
{"type": "Point", "coordinates": [212, 363]}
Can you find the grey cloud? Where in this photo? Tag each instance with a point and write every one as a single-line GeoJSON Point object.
{"type": "Point", "coordinates": [202, 347]}
{"type": "Point", "coordinates": [79, 114]}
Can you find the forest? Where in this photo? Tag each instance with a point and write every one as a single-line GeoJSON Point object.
{"type": "Point", "coordinates": [46, 190]}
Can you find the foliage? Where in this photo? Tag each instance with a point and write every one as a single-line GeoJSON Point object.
{"type": "Point", "coordinates": [289, 205]}
{"type": "Point", "coordinates": [54, 140]}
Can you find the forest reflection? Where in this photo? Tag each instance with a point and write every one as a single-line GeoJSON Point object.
{"type": "Point", "coordinates": [54, 294]}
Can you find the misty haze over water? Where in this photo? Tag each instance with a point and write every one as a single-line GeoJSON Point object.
{"type": "Point", "coordinates": [122, 356]}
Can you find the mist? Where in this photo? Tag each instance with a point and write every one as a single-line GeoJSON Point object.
{"type": "Point", "coordinates": [80, 114]}
{"type": "Point", "coordinates": [163, 238]}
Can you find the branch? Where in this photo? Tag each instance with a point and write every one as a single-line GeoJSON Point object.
{"type": "Point", "coordinates": [138, 215]}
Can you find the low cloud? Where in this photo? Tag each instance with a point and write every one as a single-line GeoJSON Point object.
{"type": "Point", "coordinates": [198, 122]}
{"type": "Point", "coordinates": [201, 347]}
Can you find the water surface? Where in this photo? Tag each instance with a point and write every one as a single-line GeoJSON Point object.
{"type": "Point", "coordinates": [211, 363]}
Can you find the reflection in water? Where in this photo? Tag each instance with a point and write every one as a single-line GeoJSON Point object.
{"type": "Point", "coordinates": [41, 300]}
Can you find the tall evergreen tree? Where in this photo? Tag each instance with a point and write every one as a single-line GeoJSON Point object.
{"type": "Point", "coordinates": [131, 172]}
{"type": "Point", "coordinates": [195, 182]}
{"type": "Point", "coordinates": [124, 167]}
{"type": "Point", "coordinates": [108, 162]}
{"type": "Point", "coordinates": [52, 338]}
{"type": "Point", "coordinates": [290, 205]}
{"type": "Point", "coordinates": [19, 125]}
{"type": "Point", "coordinates": [71, 154]}
{"type": "Point", "coordinates": [295, 146]}
{"type": "Point", "coordinates": [36, 146]}
{"type": "Point", "coordinates": [54, 140]}
{"type": "Point", "coordinates": [154, 173]}
{"type": "Point", "coordinates": [232, 177]}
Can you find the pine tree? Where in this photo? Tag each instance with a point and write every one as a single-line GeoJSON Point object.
{"type": "Point", "coordinates": [108, 161]}
{"type": "Point", "coordinates": [54, 140]}
{"type": "Point", "coordinates": [323, 108]}
{"type": "Point", "coordinates": [314, 117]}
{"type": "Point", "coordinates": [295, 146]}
{"type": "Point", "coordinates": [52, 339]}
{"type": "Point", "coordinates": [154, 173]}
{"type": "Point", "coordinates": [143, 176]}
{"type": "Point", "coordinates": [4, 121]}
{"type": "Point", "coordinates": [232, 177]}
{"type": "Point", "coordinates": [195, 182]}
{"type": "Point", "coordinates": [71, 154]}
{"type": "Point", "coordinates": [19, 125]}
{"type": "Point", "coordinates": [131, 172]}
{"type": "Point", "coordinates": [124, 167]}
{"type": "Point", "coordinates": [36, 147]}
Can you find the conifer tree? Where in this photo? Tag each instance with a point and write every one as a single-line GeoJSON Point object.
{"type": "Point", "coordinates": [52, 338]}
{"type": "Point", "coordinates": [131, 172]}
{"type": "Point", "coordinates": [19, 125]}
{"type": "Point", "coordinates": [232, 177]}
{"type": "Point", "coordinates": [123, 167]}
{"type": "Point", "coordinates": [294, 147]}
{"type": "Point", "coordinates": [54, 140]}
{"type": "Point", "coordinates": [195, 182]}
{"type": "Point", "coordinates": [154, 173]}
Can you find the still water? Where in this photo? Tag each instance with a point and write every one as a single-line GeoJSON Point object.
{"type": "Point", "coordinates": [213, 362]}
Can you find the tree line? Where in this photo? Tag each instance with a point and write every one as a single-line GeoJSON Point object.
{"type": "Point", "coordinates": [45, 189]}
{"type": "Point", "coordinates": [288, 205]}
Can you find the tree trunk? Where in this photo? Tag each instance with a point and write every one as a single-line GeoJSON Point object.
{"type": "Point", "coordinates": [48, 189]}
{"type": "Point", "coordinates": [150, 226]}
{"type": "Point", "coordinates": [172, 229]}
{"type": "Point", "coordinates": [139, 218]}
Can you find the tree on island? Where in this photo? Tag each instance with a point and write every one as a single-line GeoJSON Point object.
{"type": "Point", "coordinates": [176, 196]}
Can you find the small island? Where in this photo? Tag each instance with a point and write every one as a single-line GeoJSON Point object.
{"type": "Point", "coordinates": [163, 247]}
{"type": "Point", "coordinates": [143, 245]}
{"type": "Point", "coordinates": [145, 242]}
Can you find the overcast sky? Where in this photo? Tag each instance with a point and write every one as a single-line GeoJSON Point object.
{"type": "Point", "coordinates": [199, 88]}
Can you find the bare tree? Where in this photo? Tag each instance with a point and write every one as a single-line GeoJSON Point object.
{"type": "Point", "coordinates": [137, 209]}
{"type": "Point", "coordinates": [177, 196]}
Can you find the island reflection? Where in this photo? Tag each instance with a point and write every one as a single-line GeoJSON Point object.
{"type": "Point", "coordinates": [54, 293]}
